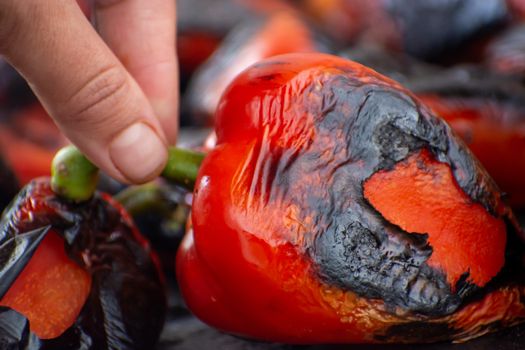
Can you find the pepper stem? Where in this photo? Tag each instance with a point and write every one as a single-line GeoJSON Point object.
{"type": "Point", "coordinates": [75, 178]}
{"type": "Point", "coordinates": [183, 166]}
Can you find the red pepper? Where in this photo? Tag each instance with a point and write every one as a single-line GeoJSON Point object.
{"type": "Point", "coordinates": [336, 208]}
{"type": "Point", "coordinates": [92, 281]}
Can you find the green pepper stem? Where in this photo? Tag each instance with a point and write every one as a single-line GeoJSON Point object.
{"type": "Point", "coordinates": [183, 166]}
{"type": "Point", "coordinates": [75, 178]}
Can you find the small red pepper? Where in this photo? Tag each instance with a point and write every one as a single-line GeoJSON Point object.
{"type": "Point", "coordinates": [335, 208]}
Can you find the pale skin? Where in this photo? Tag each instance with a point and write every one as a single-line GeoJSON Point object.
{"type": "Point", "coordinates": [111, 88]}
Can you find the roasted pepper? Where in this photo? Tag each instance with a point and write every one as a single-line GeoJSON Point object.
{"type": "Point", "coordinates": [336, 208]}
{"type": "Point", "coordinates": [75, 272]}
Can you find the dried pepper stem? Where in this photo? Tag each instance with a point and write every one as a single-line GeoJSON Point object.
{"type": "Point", "coordinates": [75, 178]}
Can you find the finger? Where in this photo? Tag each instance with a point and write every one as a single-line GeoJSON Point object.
{"type": "Point", "coordinates": [142, 35]}
{"type": "Point", "coordinates": [84, 87]}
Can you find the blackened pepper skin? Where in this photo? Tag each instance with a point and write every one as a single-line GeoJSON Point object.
{"type": "Point", "coordinates": [485, 108]}
{"type": "Point", "coordinates": [386, 128]}
{"type": "Point", "coordinates": [321, 247]}
{"type": "Point", "coordinates": [126, 303]}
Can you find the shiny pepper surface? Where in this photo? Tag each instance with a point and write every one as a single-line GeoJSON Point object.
{"type": "Point", "coordinates": [335, 208]}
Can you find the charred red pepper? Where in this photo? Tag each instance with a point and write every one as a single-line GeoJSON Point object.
{"type": "Point", "coordinates": [336, 208]}
{"type": "Point", "coordinates": [74, 270]}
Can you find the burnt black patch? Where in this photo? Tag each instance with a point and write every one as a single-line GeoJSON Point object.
{"type": "Point", "coordinates": [370, 264]}
{"type": "Point", "coordinates": [361, 129]}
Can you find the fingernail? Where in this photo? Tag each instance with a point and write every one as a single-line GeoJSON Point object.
{"type": "Point", "coordinates": [138, 153]}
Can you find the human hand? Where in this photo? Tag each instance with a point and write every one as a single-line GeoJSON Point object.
{"type": "Point", "coordinates": [113, 93]}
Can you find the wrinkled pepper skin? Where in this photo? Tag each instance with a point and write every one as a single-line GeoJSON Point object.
{"type": "Point", "coordinates": [327, 211]}
{"type": "Point", "coordinates": [91, 283]}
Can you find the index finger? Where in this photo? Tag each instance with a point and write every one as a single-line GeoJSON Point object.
{"type": "Point", "coordinates": [84, 87]}
{"type": "Point", "coordinates": [142, 35]}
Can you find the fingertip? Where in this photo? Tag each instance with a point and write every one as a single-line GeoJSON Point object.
{"type": "Point", "coordinates": [138, 153]}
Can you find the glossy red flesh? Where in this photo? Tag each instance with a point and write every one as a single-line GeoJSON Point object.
{"type": "Point", "coordinates": [51, 290]}
{"type": "Point", "coordinates": [420, 195]}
